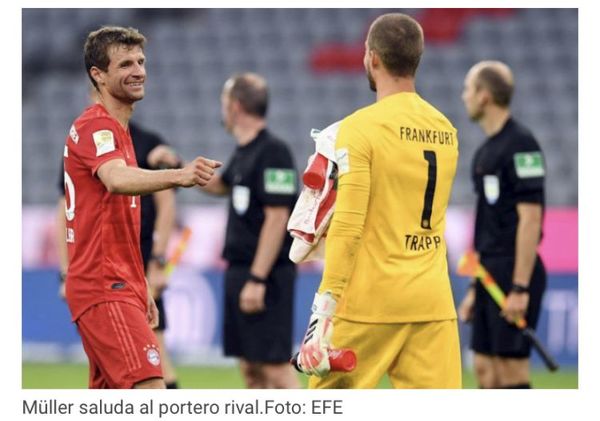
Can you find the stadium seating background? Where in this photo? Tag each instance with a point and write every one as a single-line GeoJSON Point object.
{"type": "Point", "coordinates": [192, 52]}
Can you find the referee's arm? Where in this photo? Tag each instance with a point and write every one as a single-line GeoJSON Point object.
{"type": "Point", "coordinates": [270, 240]}
{"type": "Point", "coordinates": [528, 234]}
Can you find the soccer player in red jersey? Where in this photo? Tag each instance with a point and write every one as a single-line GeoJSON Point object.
{"type": "Point", "coordinates": [106, 289]}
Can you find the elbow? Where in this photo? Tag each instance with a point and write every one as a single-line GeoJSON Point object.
{"type": "Point", "coordinates": [113, 186]}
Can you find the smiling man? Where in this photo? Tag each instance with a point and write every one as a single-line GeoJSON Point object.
{"type": "Point", "coordinates": [106, 290]}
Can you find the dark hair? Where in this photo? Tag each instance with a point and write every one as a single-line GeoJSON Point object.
{"type": "Point", "coordinates": [95, 50]}
{"type": "Point", "coordinates": [500, 89]}
{"type": "Point", "coordinates": [251, 91]}
{"type": "Point", "coordinates": [398, 40]}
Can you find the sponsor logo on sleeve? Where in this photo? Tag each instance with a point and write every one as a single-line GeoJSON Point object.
{"type": "Point", "coordinates": [280, 181]}
{"type": "Point", "coordinates": [491, 188]}
{"type": "Point", "coordinates": [343, 160]}
{"type": "Point", "coordinates": [529, 164]}
{"type": "Point", "coordinates": [104, 141]}
{"type": "Point", "coordinates": [73, 134]}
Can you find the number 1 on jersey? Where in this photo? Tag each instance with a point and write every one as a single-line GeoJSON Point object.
{"type": "Point", "coordinates": [430, 189]}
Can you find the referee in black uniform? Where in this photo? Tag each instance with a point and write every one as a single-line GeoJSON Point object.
{"type": "Point", "coordinates": [261, 182]}
{"type": "Point", "coordinates": [508, 172]}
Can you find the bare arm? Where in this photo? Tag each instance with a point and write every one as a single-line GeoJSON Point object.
{"type": "Point", "coordinates": [163, 155]}
{"type": "Point", "coordinates": [165, 220]}
{"type": "Point", "coordinates": [270, 240]}
{"type": "Point", "coordinates": [121, 179]}
{"type": "Point", "coordinates": [528, 235]}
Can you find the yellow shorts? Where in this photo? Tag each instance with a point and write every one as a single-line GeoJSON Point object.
{"type": "Point", "coordinates": [414, 355]}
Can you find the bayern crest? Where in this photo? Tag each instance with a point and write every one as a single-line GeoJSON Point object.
{"type": "Point", "coordinates": [152, 354]}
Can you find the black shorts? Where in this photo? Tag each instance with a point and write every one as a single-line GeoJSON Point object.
{"type": "Point", "coordinates": [492, 334]}
{"type": "Point", "coordinates": [264, 337]}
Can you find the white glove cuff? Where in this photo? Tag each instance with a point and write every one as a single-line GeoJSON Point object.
{"type": "Point", "coordinates": [323, 304]}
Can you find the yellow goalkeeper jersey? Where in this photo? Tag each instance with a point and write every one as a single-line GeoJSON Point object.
{"type": "Point", "coordinates": [385, 258]}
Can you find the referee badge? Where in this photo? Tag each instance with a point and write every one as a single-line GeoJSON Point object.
{"type": "Point", "coordinates": [491, 188]}
{"type": "Point", "coordinates": [240, 199]}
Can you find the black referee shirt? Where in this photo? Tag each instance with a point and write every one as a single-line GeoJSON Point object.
{"type": "Point", "coordinates": [260, 173]}
{"type": "Point", "coordinates": [507, 169]}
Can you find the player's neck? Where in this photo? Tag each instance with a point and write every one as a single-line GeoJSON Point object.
{"type": "Point", "coordinates": [121, 111]}
{"type": "Point", "coordinates": [494, 120]}
{"type": "Point", "coordinates": [389, 85]}
{"type": "Point", "coordinates": [247, 131]}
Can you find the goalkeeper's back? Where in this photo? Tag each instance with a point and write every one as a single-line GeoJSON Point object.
{"type": "Point", "coordinates": [397, 161]}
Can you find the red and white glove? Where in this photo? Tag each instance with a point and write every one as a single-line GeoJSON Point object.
{"type": "Point", "coordinates": [313, 357]}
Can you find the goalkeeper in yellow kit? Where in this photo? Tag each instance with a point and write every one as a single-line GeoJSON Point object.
{"type": "Point", "coordinates": [385, 291]}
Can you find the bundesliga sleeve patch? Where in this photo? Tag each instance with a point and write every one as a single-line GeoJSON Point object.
{"type": "Point", "coordinates": [104, 141]}
{"type": "Point", "coordinates": [73, 134]}
{"type": "Point", "coordinates": [529, 164]}
{"type": "Point", "coordinates": [280, 181]}
{"type": "Point", "coordinates": [343, 160]}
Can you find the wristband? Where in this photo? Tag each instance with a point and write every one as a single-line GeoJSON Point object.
{"type": "Point", "coordinates": [257, 279]}
{"type": "Point", "coordinates": [520, 289]}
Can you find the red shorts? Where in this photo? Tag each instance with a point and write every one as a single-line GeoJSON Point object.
{"type": "Point", "coordinates": [121, 347]}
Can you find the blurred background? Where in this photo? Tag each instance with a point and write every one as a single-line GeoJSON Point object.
{"type": "Point", "coordinates": [312, 59]}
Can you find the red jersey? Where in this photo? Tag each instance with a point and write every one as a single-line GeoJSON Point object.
{"type": "Point", "coordinates": [103, 229]}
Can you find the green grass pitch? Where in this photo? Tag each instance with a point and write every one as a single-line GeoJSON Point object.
{"type": "Point", "coordinates": [74, 376]}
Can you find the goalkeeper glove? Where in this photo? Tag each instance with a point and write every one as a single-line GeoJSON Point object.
{"type": "Point", "coordinates": [313, 357]}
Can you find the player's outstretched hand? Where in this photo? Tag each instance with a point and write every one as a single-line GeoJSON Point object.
{"type": "Point", "coordinates": [313, 357]}
{"type": "Point", "coordinates": [198, 172]}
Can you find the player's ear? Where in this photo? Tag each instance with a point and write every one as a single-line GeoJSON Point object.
{"type": "Point", "coordinates": [97, 75]}
{"type": "Point", "coordinates": [485, 97]}
{"type": "Point", "coordinates": [374, 59]}
{"type": "Point", "coordinates": [236, 105]}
